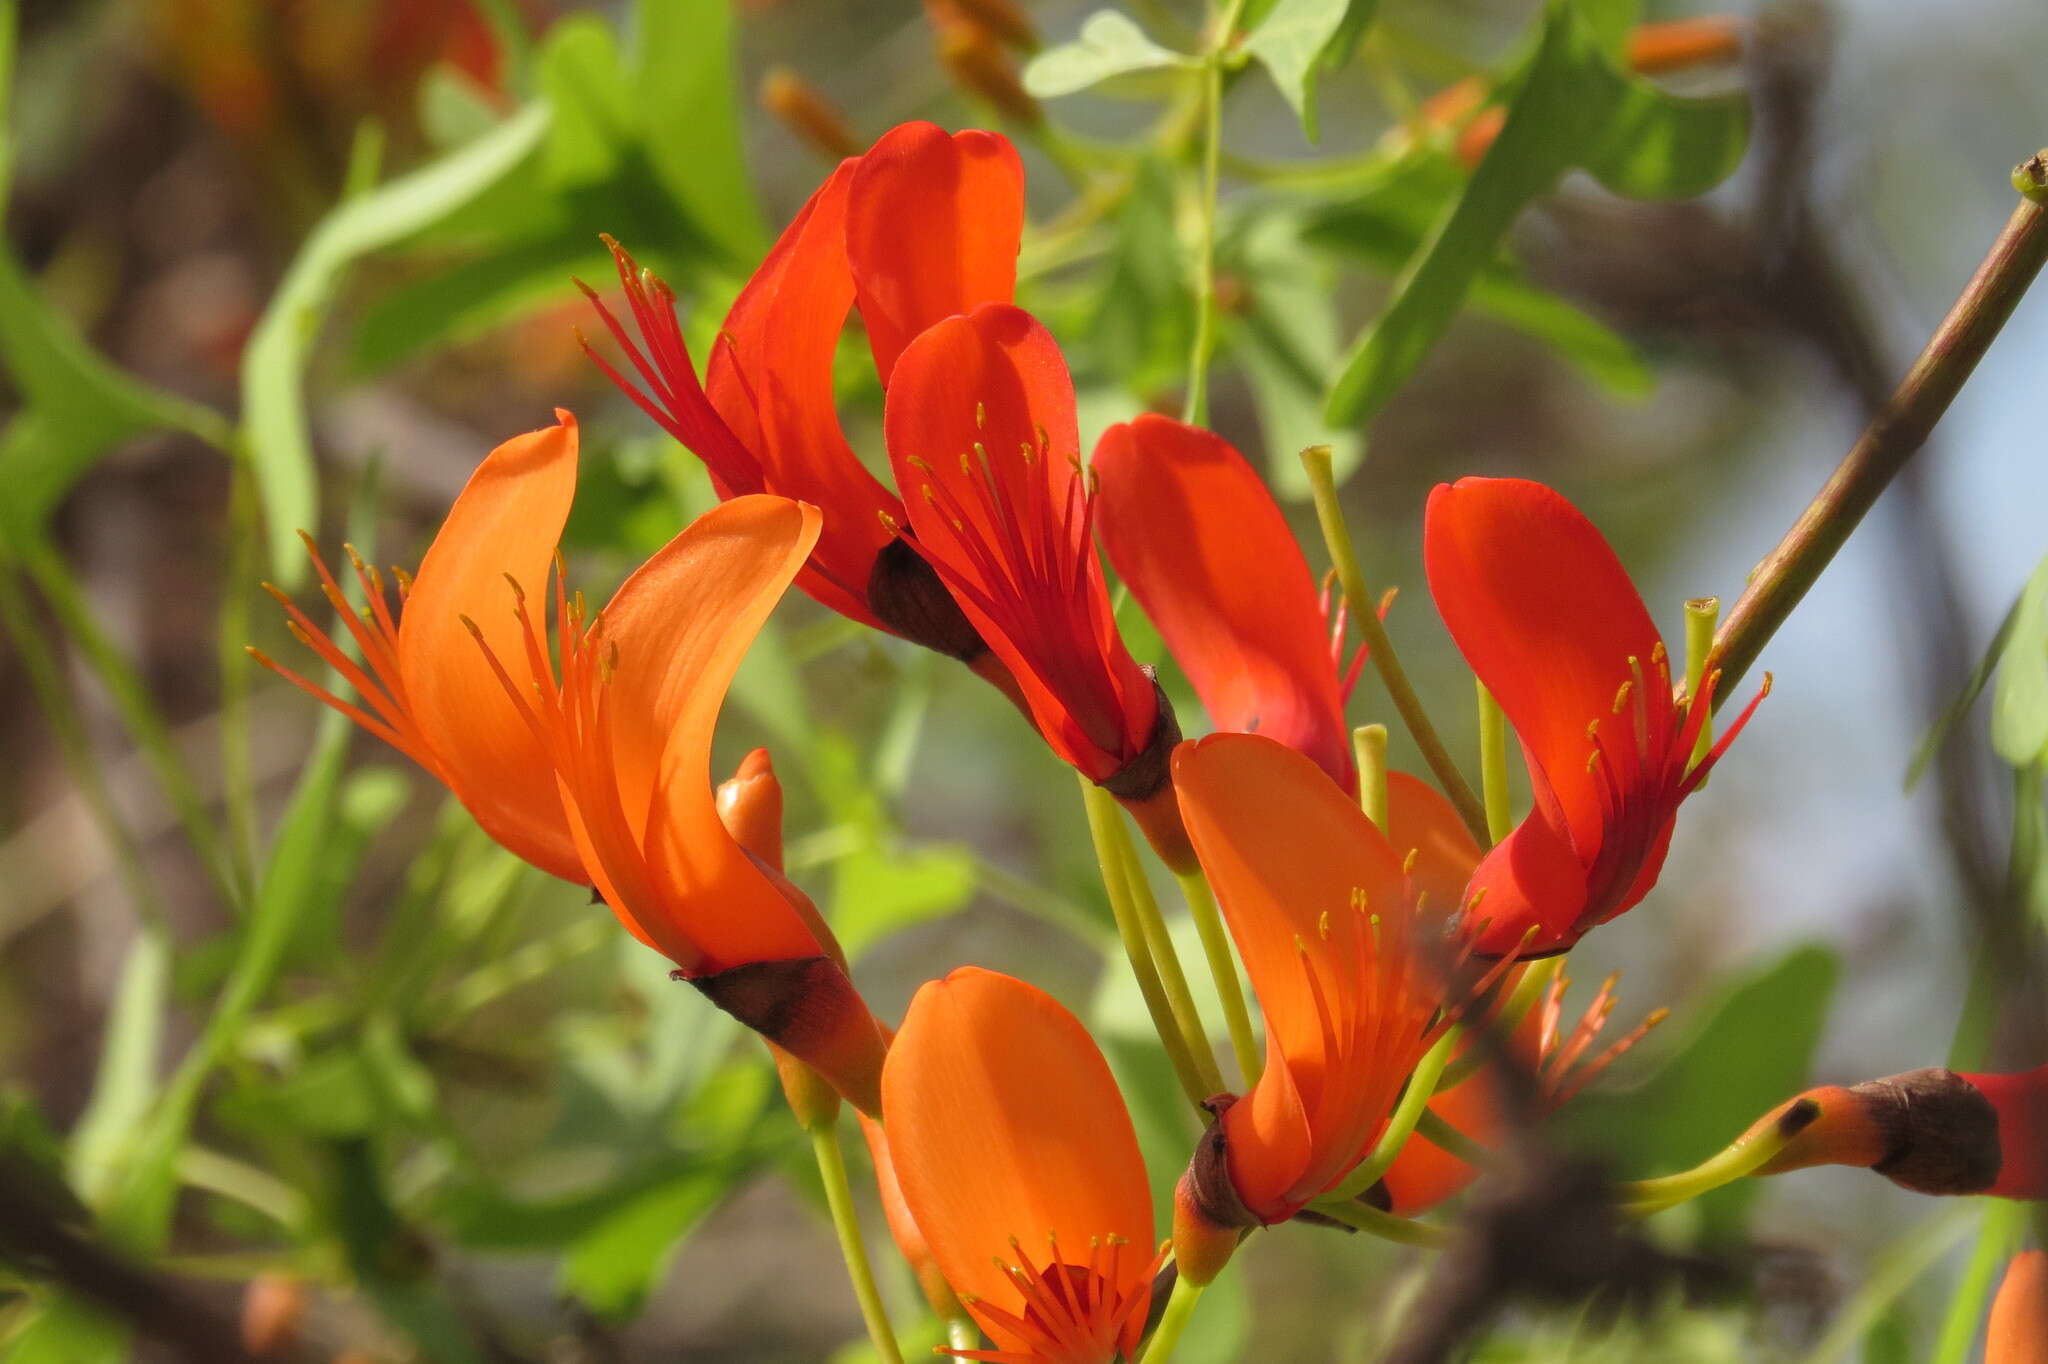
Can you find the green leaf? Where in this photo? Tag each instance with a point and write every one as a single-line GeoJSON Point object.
{"type": "Point", "coordinates": [1110, 44]}
{"type": "Point", "coordinates": [1753, 1051]}
{"type": "Point", "coordinates": [273, 367]}
{"type": "Point", "coordinates": [67, 1331]}
{"type": "Point", "coordinates": [612, 1267]}
{"type": "Point", "coordinates": [126, 1081]}
{"type": "Point", "coordinates": [1143, 316]}
{"type": "Point", "coordinates": [1300, 39]}
{"type": "Point", "coordinates": [1966, 697]}
{"type": "Point", "coordinates": [2019, 703]}
{"type": "Point", "coordinates": [877, 892]}
{"type": "Point", "coordinates": [689, 120]}
{"type": "Point", "coordinates": [582, 77]}
{"type": "Point", "coordinates": [1569, 106]}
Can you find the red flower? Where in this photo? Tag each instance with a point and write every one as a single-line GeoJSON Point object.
{"type": "Point", "coordinates": [1192, 530]}
{"type": "Point", "coordinates": [1547, 617]}
{"type": "Point", "coordinates": [922, 227]}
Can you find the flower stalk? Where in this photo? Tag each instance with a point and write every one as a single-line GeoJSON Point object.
{"type": "Point", "coordinates": [1223, 968]}
{"type": "Point", "coordinates": [1337, 536]}
{"type": "Point", "coordinates": [1493, 764]}
{"type": "Point", "coordinates": [1369, 742]}
{"type": "Point", "coordinates": [839, 1198]}
{"type": "Point", "coordinates": [1179, 1307]}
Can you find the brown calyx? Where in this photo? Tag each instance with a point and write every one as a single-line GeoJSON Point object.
{"type": "Point", "coordinates": [1939, 1132]}
{"type": "Point", "coordinates": [1209, 1219]}
{"type": "Point", "coordinates": [1144, 786]}
{"type": "Point", "coordinates": [809, 1008]}
{"type": "Point", "coordinates": [907, 595]}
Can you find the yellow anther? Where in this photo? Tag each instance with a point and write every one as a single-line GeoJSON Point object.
{"type": "Point", "coordinates": [920, 463]}
{"type": "Point", "coordinates": [518, 592]}
{"type": "Point", "coordinates": [1593, 729]}
{"type": "Point", "coordinates": [1621, 696]}
{"type": "Point", "coordinates": [1026, 453]}
{"type": "Point", "coordinates": [1323, 925]}
{"type": "Point", "coordinates": [967, 460]}
{"type": "Point", "coordinates": [889, 523]}
{"type": "Point", "coordinates": [980, 416]}
{"type": "Point", "coordinates": [931, 498]}
{"type": "Point", "coordinates": [299, 633]}
{"type": "Point", "coordinates": [1592, 760]}
{"type": "Point", "coordinates": [1408, 862]}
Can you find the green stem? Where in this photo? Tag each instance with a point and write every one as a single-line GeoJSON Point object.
{"type": "Point", "coordinates": [1536, 978]}
{"type": "Point", "coordinates": [1493, 764]}
{"type": "Point", "coordinates": [1159, 940]}
{"type": "Point", "coordinates": [1173, 1321]}
{"type": "Point", "coordinates": [1102, 816]}
{"type": "Point", "coordinates": [2004, 1221]}
{"type": "Point", "coordinates": [1386, 1226]}
{"type": "Point", "coordinates": [1196, 411]}
{"type": "Point", "coordinates": [1701, 614]}
{"type": "Point", "coordinates": [1645, 1196]}
{"type": "Point", "coordinates": [962, 1333]}
{"type": "Point", "coordinates": [839, 1198]}
{"type": "Point", "coordinates": [1369, 743]}
{"type": "Point", "coordinates": [1223, 968]}
{"type": "Point", "coordinates": [1456, 1143]}
{"type": "Point", "coordinates": [1330, 514]}
{"type": "Point", "coordinates": [1894, 434]}
{"type": "Point", "coordinates": [237, 773]}
{"type": "Point", "coordinates": [1422, 1087]}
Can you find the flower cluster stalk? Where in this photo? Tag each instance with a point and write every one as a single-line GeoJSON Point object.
{"type": "Point", "coordinates": [1223, 968]}
{"type": "Point", "coordinates": [839, 1198]}
{"type": "Point", "coordinates": [1493, 764]}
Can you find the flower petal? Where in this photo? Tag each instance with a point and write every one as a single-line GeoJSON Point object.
{"type": "Point", "coordinates": [982, 433]}
{"type": "Point", "coordinates": [505, 523]}
{"type": "Point", "coordinates": [1421, 820]}
{"type": "Point", "coordinates": [2018, 1333]}
{"type": "Point", "coordinates": [1004, 1121]}
{"type": "Point", "coordinates": [770, 377]}
{"type": "Point", "coordinates": [1192, 530]}
{"type": "Point", "coordinates": [681, 624]}
{"type": "Point", "coordinates": [932, 227]}
{"type": "Point", "coordinates": [1547, 617]}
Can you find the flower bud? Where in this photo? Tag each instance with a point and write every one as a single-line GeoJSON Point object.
{"type": "Point", "coordinates": [815, 120]}
{"type": "Point", "coordinates": [978, 64]}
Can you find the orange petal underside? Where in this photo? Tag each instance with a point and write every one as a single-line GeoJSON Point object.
{"type": "Point", "coordinates": [2019, 1317]}
{"type": "Point", "coordinates": [1190, 527]}
{"type": "Point", "coordinates": [1004, 1121]}
{"type": "Point", "coordinates": [505, 523]}
{"type": "Point", "coordinates": [932, 226]}
{"type": "Point", "coordinates": [681, 623]}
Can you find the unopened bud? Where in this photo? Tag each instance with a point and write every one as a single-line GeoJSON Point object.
{"type": "Point", "coordinates": [979, 65]}
{"type": "Point", "coordinates": [1654, 49]}
{"type": "Point", "coordinates": [1930, 1131]}
{"type": "Point", "coordinates": [1209, 1217]}
{"type": "Point", "coordinates": [273, 1305]}
{"type": "Point", "coordinates": [1004, 20]}
{"type": "Point", "coordinates": [804, 111]}
{"type": "Point", "coordinates": [750, 807]}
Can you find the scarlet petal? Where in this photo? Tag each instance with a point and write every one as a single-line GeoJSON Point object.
{"type": "Point", "coordinates": [1547, 617]}
{"type": "Point", "coordinates": [770, 378]}
{"type": "Point", "coordinates": [981, 431]}
{"type": "Point", "coordinates": [1420, 819]}
{"type": "Point", "coordinates": [1192, 530]}
{"type": "Point", "coordinates": [1004, 1121]}
{"type": "Point", "coordinates": [2021, 1102]}
{"type": "Point", "coordinates": [505, 523]}
{"type": "Point", "coordinates": [681, 624]}
{"type": "Point", "coordinates": [1531, 878]}
{"type": "Point", "coordinates": [932, 227]}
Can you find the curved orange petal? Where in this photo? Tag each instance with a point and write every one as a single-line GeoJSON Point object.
{"type": "Point", "coordinates": [982, 433]}
{"type": "Point", "coordinates": [1009, 1138]}
{"type": "Point", "coordinates": [1422, 821]}
{"type": "Point", "coordinates": [505, 524]}
{"type": "Point", "coordinates": [2018, 1333]}
{"type": "Point", "coordinates": [1547, 617]}
{"type": "Point", "coordinates": [932, 226]}
{"type": "Point", "coordinates": [1192, 530]}
{"type": "Point", "coordinates": [680, 625]}
{"type": "Point", "coordinates": [770, 378]}
{"type": "Point", "coordinates": [1319, 908]}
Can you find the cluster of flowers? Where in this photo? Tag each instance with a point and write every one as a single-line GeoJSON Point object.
{"type": "Point", "coordinates": [1006, 1158]}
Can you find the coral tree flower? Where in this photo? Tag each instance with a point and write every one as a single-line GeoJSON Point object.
{"type": "Point", "coordinates": [1547, 617]}
{"type": "Point", "coordinates": [2018, 1333]}
{"type": "Point", "coordinates": [1192, 529]}
{"type": "Point", "coordinates": [925, 225]}
{"type": "Point", "coordinates": [592, 759]}
{"type": "Point", "coordinates": [1350, 966]}
{"type": "Point", "coordinates": [1933, 1131]}
{"type": "Point", "coordinates": [1017, 1160]}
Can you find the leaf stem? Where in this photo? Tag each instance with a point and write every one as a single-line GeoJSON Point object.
{"type": "Point", "coordinates": [839, 1198]}
{"type": "Point", "coordinates": [1330, 514]}
{"type": "Point", "coordinates": [1701, 614]}
{"type": "Point", "coordinates": [1422, 1087]}
{"type": "Point", "coordinates": [1894, 434]}
{"type": "Point", "coordinates": [1196, 410]}
{"type": "Point", "coordinates": [1386, 1226]}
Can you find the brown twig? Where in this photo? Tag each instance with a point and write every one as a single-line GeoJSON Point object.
{"type": "Point", "coordinates": [1895, 433]}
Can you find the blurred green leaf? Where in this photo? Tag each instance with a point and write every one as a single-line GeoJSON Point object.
{"type": "Point", "coordinates": [1568, 106]}
{"type": "Point", "coordinates": [583, 79]}
{"type": "Point", "coordinates": [1960, 704]}
{"type": "Point", "coordinates": [2019, 702]}
{"type": "Point", "coordinates": [273, 366]}
{"type": "Point", "coordinates": [877, 892]}
{"type": "Point", "coordinates": [1110, 44]}
{"type": "Point", "coordinates": [1752, 1051]}
{"type": "Point", "coordinates": [612, 1267]}
{"type": "Point", "coordinates": [66, 1331]}
{"type": "Point", "coordinates": [1300, 39]}
{"type": "Point", "coordinates": [689, 116]}
{"type": "Point", "coordinates": [1142, 318]}
{"type": "Point", "coordinates": [126, 1081]}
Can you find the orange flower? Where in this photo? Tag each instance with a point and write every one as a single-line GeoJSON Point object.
{"type": "Point", "coordinates": [1192, 530]}
{"type": "Point", "coordinates": [1932, 1131]}
{"type": "Point", "coordinates": [592, 760]}
{"type": "Point", "coordinates": [2019, 1317]}
{"type": "Point", "coordinates": [1547, 617]}
{"type": "Point", "coordinates": [1336, 930]}
{"type": "Point", "coordinates": [925, 225]}
{"type": "Point", "coordinates": [1017, 1160]}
